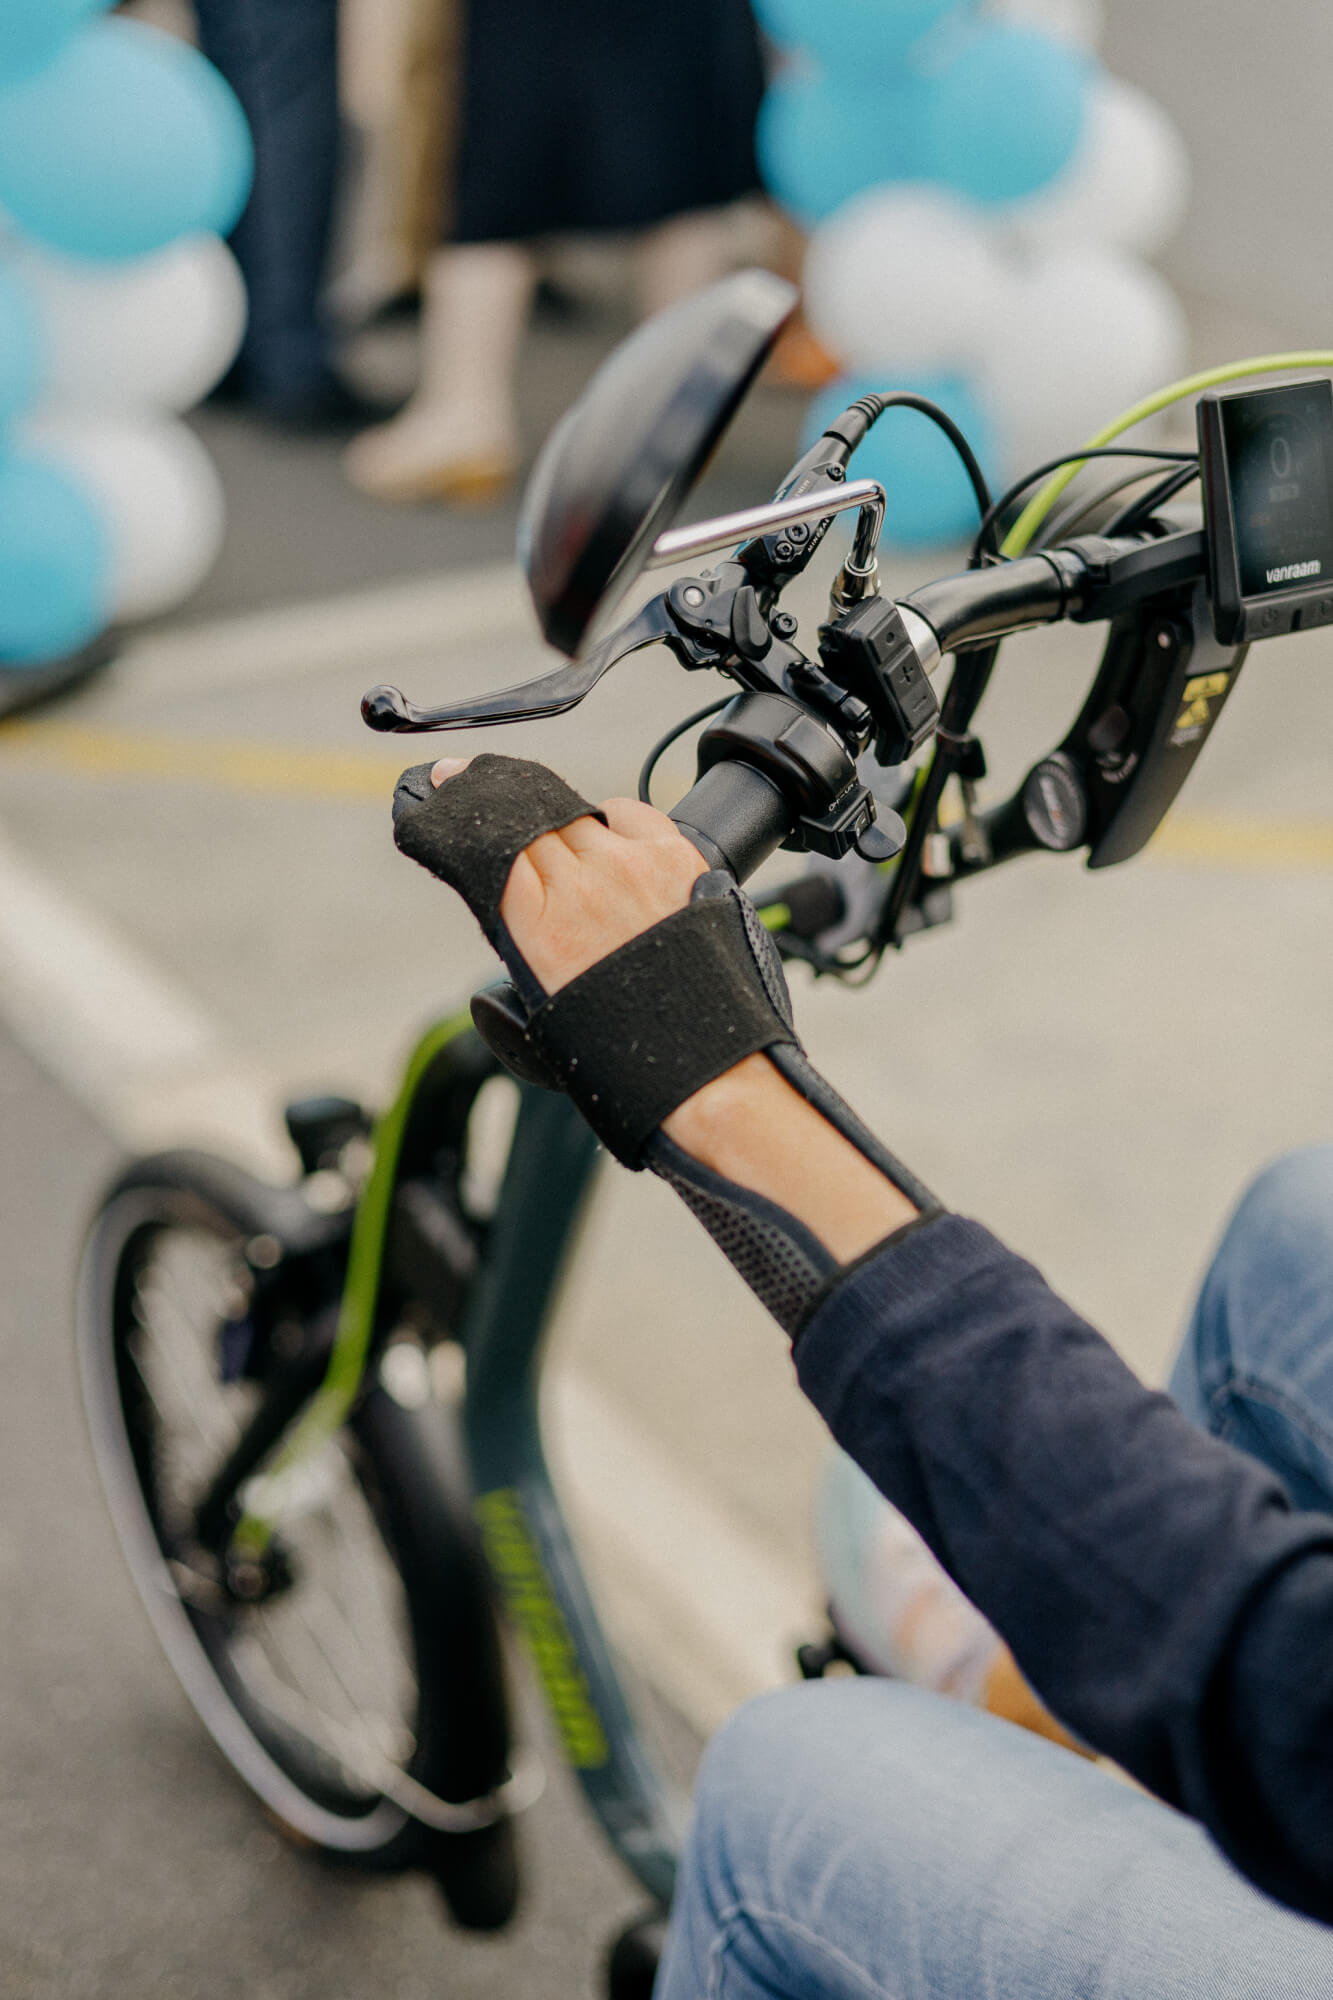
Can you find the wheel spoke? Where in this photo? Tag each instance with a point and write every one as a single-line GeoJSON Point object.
{"type": "Point", "coordinates": [326, 1659]}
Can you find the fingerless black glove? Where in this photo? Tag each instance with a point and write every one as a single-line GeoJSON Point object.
{"type": "Point", "coordinates": [651, 1023]}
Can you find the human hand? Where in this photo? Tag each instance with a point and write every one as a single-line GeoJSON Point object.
{"type": "Point", "coordinates": [574, 896]}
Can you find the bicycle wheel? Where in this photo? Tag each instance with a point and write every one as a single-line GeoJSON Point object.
{"type": "Point", "coordinates": [354, 1678]}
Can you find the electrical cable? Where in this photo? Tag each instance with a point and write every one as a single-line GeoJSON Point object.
{"type": "Point", "coordinates": [664, 743]}
{"type": "Point", "coordinates": [1138, 511]}
{"type": "Point", "coordinates": [904, 399]}
{"type": "Point", "coordinates": [1071, 518]}
{"type": "Point", "coordinates": [1025, 527]}
{"type": "Point", "coordinates": [1020, 486]}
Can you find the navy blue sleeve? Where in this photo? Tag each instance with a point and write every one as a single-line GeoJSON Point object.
{"type": "Point", "coordinates": [1156, 1586]}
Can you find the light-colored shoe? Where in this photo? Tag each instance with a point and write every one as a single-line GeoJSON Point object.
{"type": "Point", "coordinates": [403, 463]}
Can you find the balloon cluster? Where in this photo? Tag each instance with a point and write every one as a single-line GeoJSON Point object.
{"type": "Point", "coordinates": [981, 196]}
{"type": "Point", "coordinates": [123, 158]}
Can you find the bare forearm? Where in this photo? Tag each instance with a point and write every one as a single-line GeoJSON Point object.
{"type": "Point", "coordinates": [752, 1128]}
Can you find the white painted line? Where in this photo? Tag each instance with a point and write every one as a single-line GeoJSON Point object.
{"type": "Point", "coordinates": [78, 988]}
{"type": "Point", "coordinates": [705, 1611]}
{"type": "Point", "coordinates": [128, 1042]}
{"type": "Point", "coordinates": [423, 615]}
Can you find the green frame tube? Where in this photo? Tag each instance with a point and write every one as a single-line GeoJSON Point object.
{"type": "Point", "coordinates": [332, 1402]}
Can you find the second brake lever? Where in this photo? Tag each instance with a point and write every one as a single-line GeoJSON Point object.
{"type": "Point", "coordinates": [388, 710]}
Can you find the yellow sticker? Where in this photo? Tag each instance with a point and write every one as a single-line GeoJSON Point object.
{"type": "Point", "coordinates": [534, 1609]}
{"type": "Point", "coordinates": [1198, 694]}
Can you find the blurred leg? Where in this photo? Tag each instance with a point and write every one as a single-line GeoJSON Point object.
{"type": "Point", "coordinates": [682, 256]}
{"type": "Point", "coordinates": [1256, 1366]}
{"type": "Point", "coordinates": [281, 59]}
{"type": "Point", "coordinates": [861, 1838]}
{"type": "Point", "coordinates": [458, 436]}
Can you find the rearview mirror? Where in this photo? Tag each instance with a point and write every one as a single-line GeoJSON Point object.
{"type": "Point", "coordinates": [617, 467]}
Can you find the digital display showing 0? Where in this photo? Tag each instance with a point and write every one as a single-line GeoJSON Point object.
{"type": "Point", "coordinates": [1277, 468]}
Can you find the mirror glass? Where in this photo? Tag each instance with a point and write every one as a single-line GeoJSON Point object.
{"type": "Point", "coordinates": [616, 468]}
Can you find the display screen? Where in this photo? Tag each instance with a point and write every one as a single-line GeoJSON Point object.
{"type": "Point", "coordinates": [1279, 450]}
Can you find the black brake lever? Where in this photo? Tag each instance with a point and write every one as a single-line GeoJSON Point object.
{"type": "Point", "coordinates": [388, 710]}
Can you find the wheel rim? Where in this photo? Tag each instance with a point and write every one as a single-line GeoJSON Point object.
{"type": "Point", "coordinates": [312, 1694]}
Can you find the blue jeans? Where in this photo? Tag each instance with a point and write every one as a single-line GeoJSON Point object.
{"type": "Point", "coordinates": [865, 1838]}
{"type": "Point", "coordinates": [281, 59]}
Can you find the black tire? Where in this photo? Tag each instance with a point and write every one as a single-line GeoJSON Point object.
{"type": "Point", "coordinates": [371, 1684]}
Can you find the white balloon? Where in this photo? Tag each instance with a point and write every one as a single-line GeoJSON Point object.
{"type": "Point", "coordinates": [1078, 22]}
{"type": "Point", "coordinates": [1089, 332]}
{"type": "Point", "coordinates": [1128, 183]}
{"type": "Point", "coordinates": [158, 492]}
{"type": "Point", "coordinates": [150, 332]}
{"type": "Point", "coordinates": [903, 277]}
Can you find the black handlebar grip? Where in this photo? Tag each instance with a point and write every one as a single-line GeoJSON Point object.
{"type": "Point", "coordinates": [735, 816]}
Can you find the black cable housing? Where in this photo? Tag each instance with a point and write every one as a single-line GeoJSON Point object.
{"type": "Point", "coordinates": [1020, 486]}
{"type": "Point", "coordinates": [873, 407]}
{"type": "Point", "coordinates": [1138, 511]}
{"type": "Point", "coordinates": [664, 743]}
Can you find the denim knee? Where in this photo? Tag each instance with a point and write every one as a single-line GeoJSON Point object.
{"type": "Point", "coordinates": [1257, 1362]}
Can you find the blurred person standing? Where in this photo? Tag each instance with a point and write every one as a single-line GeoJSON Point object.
{"type": "Point", "coordinates": [571, 118]}
{"type": "Point", "coordinates": [281, 59]}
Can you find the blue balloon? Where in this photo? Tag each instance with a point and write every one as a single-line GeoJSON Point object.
{"type": "Point", "coordinates": [855, 35]}
{"type": "Point", "coordinates": [1004, 116]}
{"type": "Point", "coordinates": [32, 30]}
{"type": "Point", "coordinates": [55, 564]}
{"type": "Point", "coordinates": [820, 142]}
{"type": "Point", "coordinates": [928, 496]}
{"type": "Point", "coordinates": [126, 141]}
{"type": "Point", "coordinates": [20, 349]}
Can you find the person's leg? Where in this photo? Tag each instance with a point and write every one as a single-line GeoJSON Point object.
{"type": "Point", "coordinates": [1256, 1366]}
{"type": "Point", "coordinates": [281, 59]}
{"type": "Point", "coordinates": [458, 436]}
{"type": "Point", "coordinates": [862, 1838]}
{"type": "Point", "coordinates": [681, 256]}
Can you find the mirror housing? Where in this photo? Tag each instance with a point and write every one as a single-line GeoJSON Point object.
{"type": "Point", "coordinates": [617, 467]}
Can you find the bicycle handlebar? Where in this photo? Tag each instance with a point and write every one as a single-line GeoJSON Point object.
{"type": "Point", "coordinates": [736, 817]}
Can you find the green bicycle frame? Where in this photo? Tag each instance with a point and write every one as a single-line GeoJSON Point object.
{"type": "Point", "coordinates": [550, 1168]}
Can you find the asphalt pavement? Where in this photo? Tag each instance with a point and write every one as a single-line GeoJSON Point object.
{"type": "Point", "coordinates": [133, 1865]}
{"type": "Point", "coordinates": [201, 913]}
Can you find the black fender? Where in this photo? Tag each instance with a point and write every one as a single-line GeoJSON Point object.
{"type": "Point", "coordinates": [417, 1478]}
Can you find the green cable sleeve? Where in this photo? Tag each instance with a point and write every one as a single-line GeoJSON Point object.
{"type": "Point", "coordinates": [1032, 516]}
{"type": "Point", "coordinates": [327, 1411]}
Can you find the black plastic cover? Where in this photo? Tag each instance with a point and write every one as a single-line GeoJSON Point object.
{"type": "Point", "coordinates": [614, 472]}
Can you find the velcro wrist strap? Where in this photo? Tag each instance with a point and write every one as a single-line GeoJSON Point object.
{"type": "Point", "coordinates": [471, 830]}
{"type": "Point", "coordinates": [647, 1026]}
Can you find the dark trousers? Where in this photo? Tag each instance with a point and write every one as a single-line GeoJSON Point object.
{"type": "Point", "coordinates": [281, 59]}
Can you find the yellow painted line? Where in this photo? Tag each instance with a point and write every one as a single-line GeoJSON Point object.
{"type": "Point", "coordinates": [1250, 842]}
{"type": "Point", "coordinates": [293, 770]}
